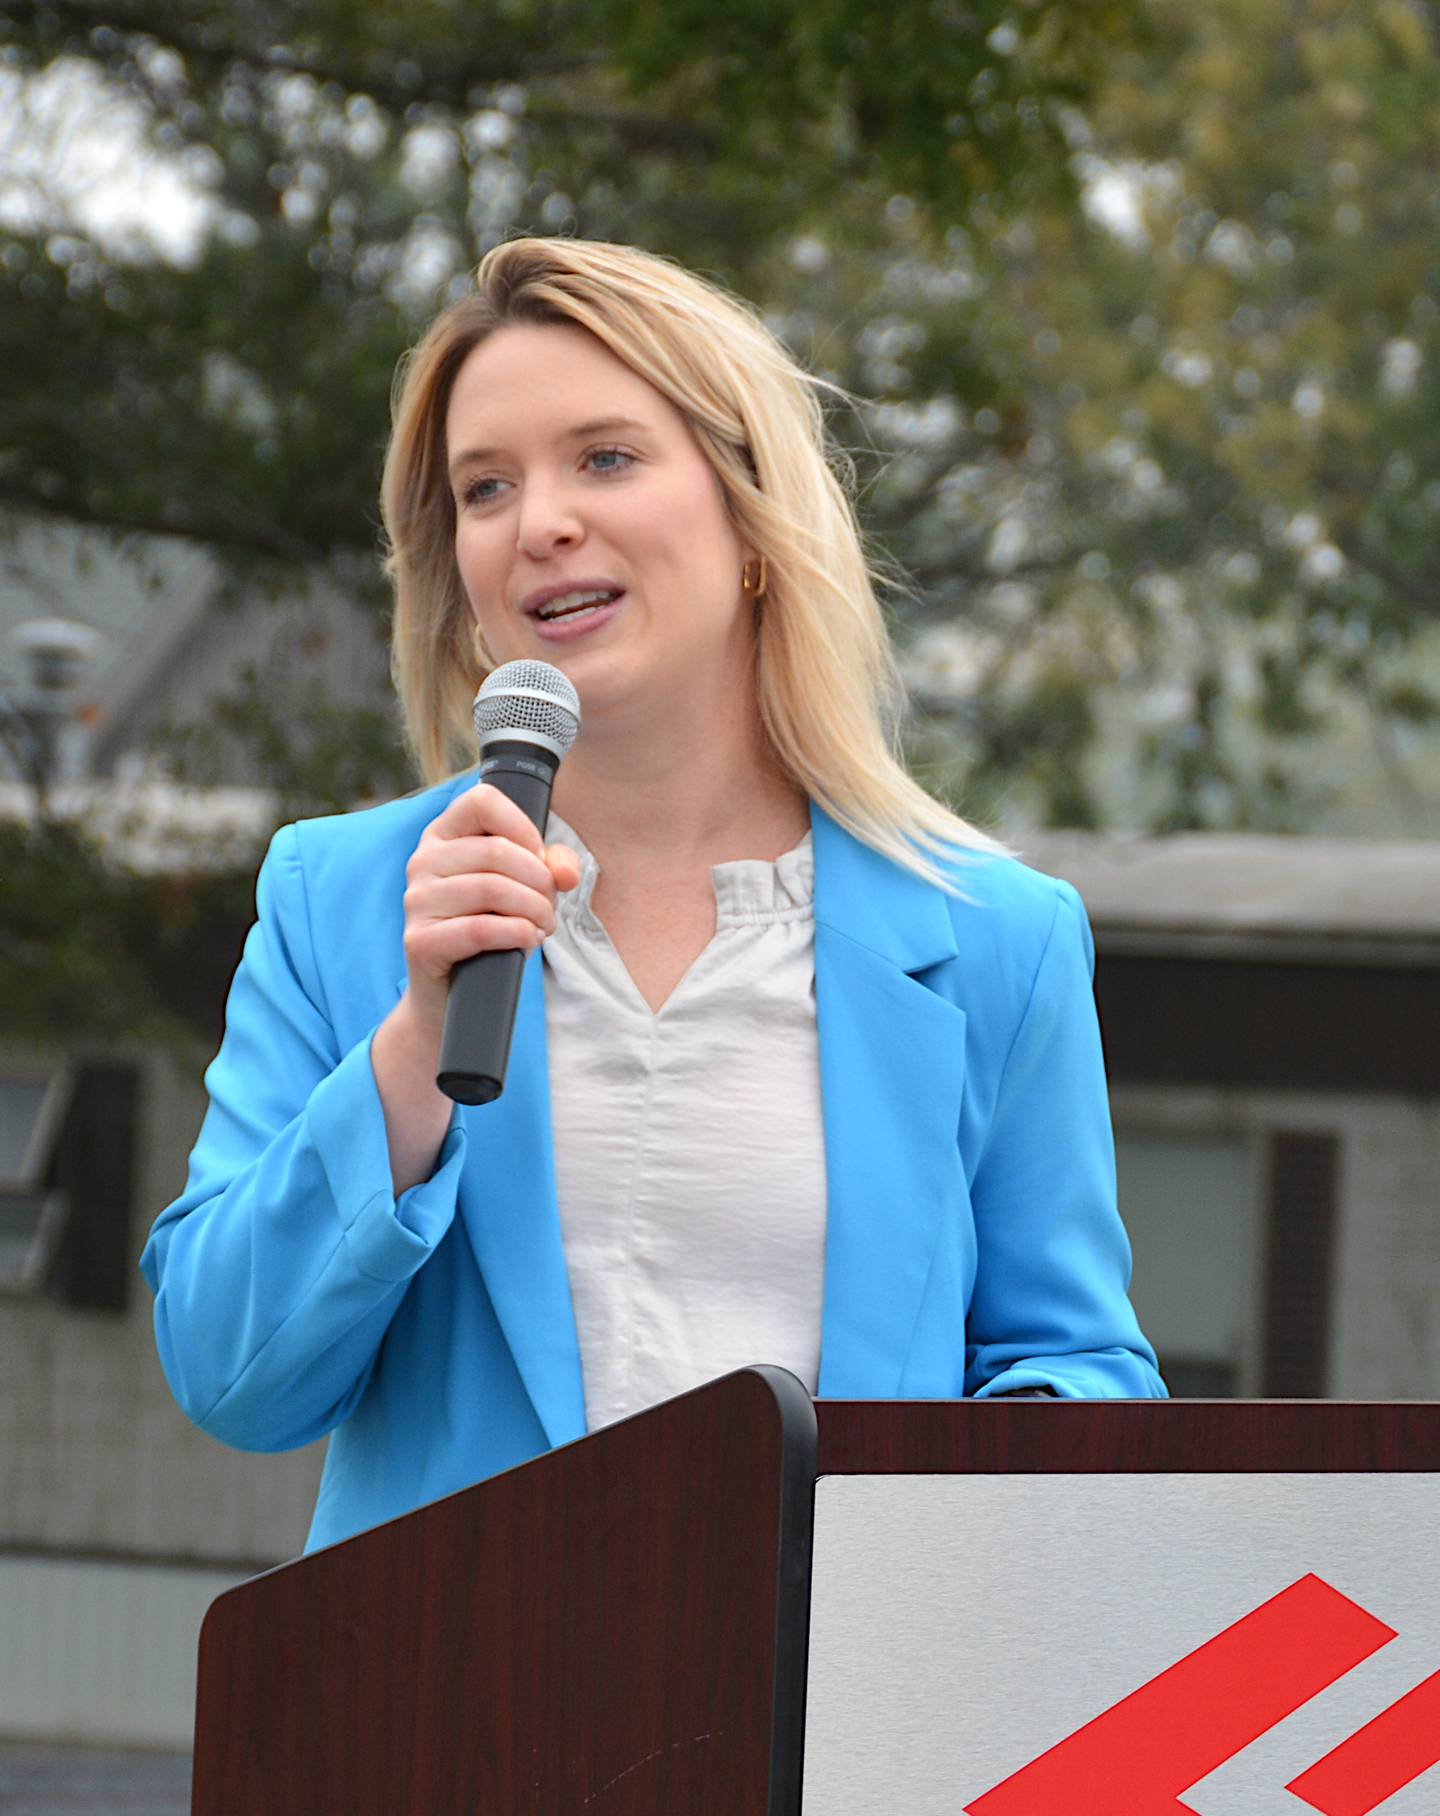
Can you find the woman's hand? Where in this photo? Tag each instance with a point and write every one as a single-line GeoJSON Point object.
{"type": "Point", "coordinates": [480, 880]}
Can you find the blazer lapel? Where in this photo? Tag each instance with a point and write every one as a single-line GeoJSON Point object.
{"type": "Point", "coordinates": [892, 1068]}
{"type": "Point", "coordinates": [507, 1201]}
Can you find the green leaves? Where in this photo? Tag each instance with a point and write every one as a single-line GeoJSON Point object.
{"type": "Point", "coordinates": [91, 951]}
{"type": "Point", "coordinates": [1146, 292]}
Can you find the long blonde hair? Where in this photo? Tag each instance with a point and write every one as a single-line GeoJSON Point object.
{"type": "Point", "coordinates": [829, 693]}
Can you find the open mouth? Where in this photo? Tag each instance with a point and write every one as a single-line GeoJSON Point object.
{"type": "Point", "coordinates": [576, 605]}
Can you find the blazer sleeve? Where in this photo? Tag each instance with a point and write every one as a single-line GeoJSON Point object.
{"type": "Point", "coordinates": [278, 1269]}
{"type": "Point", "coordinates": [1050, 1306]}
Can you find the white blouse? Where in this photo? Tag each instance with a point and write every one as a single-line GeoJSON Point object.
{"type": "Point", "coordinates": [689, 1145]}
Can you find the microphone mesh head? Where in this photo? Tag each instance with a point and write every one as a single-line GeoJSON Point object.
{"type": "Point", "coordinates": [528, 700]}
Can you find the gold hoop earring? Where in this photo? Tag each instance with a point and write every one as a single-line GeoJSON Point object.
{"type": "Point", "coordinates": [758, 585]}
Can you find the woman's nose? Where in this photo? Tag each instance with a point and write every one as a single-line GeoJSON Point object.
{"type": "Point", "coordinates": [548, 521]}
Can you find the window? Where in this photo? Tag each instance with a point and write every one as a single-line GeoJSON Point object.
{"type": "Point", "coordinates": [32, 1213]}
{"type": "Point", "coordinates": [1192, 1205]}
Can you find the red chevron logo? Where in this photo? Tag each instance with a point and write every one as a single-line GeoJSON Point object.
{"type": "Point", "coordinates": [1137, 1757]}
{"type": "Point", "coordinates": [1387, 1754]}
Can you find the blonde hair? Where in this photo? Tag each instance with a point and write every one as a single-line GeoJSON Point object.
{"type": "Point", "coordinates": [829, 693]}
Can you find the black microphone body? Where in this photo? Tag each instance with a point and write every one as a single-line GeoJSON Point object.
{"type": "Point", "coordinates": [485, 989]}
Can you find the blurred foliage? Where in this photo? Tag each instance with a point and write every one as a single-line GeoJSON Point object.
{"type": "Point", "coordinates": [358, 158]}
{"type": "Point", "coordinates": [1147, 292]}
{"type": "Point", "coordinates": [93, 950]}
{"type": "Point", "coordinates": [1177, 523]}
{"type": "Point", "coordinates": [317, 754]}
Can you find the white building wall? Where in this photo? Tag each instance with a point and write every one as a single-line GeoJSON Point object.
{"type": "Point", "coordinates": [1387, 1289]}
{"type": "Point", "coordinates": [101, 1652]}
{"type": "Point", "coordinates": [119, 1521]}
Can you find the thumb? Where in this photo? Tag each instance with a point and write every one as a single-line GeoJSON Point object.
{"type": "Point", "coordinates": [564, 866]}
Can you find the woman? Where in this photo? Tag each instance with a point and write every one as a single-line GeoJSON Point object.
{"type": "Point", "coordinates": [805, 1069]}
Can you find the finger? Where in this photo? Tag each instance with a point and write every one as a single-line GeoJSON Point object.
{"type": "Point", "coordinates": [444, 898]}
{"type": "Point", "coordinates": [484, 809]}
{"type": "Point", "coordinates": [438, 946]}
{"type": "Point", "coordinates": [475, 854]}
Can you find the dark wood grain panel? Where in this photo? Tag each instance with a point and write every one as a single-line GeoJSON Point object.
{"type": "Point", "coordinates": [924, 1437]}
{"type": "Point", "coordinates": [617, 1628]}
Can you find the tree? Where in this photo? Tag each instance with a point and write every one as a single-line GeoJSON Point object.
{"type": "Point", "coordinates": [1167, 484]}
{"type": "Point", "coordinates": [1180, 534]}
{"type": "Point", "coordinates": [356, 161]}
{"type": "Point", "coordinates": [358, 158]}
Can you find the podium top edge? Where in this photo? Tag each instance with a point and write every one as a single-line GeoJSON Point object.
{"type": "Point", "coordinates": [1066, 1437]}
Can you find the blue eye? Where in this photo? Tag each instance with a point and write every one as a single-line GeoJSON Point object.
{"type": "Point", "coordinates": [616, 454]}
{"type": "Point", "coordinates": [472, 492]}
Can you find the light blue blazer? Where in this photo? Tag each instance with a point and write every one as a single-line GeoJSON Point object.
{"type": "Point", "coordinates": [973, 1243]}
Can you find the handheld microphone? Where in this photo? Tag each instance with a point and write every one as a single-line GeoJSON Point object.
{"type": "Point", "coordinates": [527, 715]}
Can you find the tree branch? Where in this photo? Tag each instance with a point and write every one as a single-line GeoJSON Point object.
{"type": "Point", "coordinates": [211, 54]}
{"type": "Point", "coordinates": [212, 532]}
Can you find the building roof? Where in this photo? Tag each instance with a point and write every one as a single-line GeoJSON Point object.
{"type": "Point", "coordinates": [1253, 895]}
{"type": "Point", "coordinates": [171, 634]}
{"type": "Point", "coordinates": [1245, 895]}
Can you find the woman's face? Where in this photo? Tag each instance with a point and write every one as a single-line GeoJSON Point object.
{"type": "Point", "coordinates": [572, 474]}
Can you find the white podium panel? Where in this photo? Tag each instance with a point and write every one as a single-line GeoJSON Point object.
{"type": "Point", "coordinates": [1255, 1631]}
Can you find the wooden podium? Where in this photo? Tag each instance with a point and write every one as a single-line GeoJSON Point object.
{"type": "Point", "coordinates": [624, 1627]}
